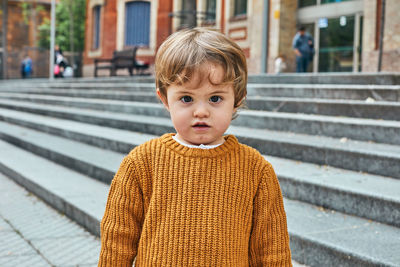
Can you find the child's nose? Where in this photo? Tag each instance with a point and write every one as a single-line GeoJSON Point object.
{"type": "Point", "coordinates": [201, 110]}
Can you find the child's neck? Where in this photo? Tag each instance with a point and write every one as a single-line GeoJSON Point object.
{"type": "Point", "coordinates": [201, 146]}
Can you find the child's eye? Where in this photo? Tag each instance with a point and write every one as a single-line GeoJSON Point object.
{"type": "Point", "coordinates": [186, 99]}
{"type": "Point", "coordinates": [215, 99]}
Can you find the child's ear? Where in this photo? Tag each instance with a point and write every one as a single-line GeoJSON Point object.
{"type": "Point", "coordinates": [163, 99]}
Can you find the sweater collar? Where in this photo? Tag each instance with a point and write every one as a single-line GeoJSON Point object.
{"type": "Point", "coordinates": [195, 146]}
{"type": "Point", "coordinates": [230, 144]}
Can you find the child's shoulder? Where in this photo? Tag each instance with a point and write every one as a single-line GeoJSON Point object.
{"type": "Point", "coordinates": [254, 156]}
{"type": "Point", "coordinates": [145, 148]}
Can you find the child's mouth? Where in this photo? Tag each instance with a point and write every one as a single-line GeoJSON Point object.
{"type": "Point", "coordinates": [200, 126]}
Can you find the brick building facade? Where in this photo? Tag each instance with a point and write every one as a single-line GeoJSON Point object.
{"type": "Point", "coordinates": [105, 30]}
{"type": "Point", "coordinates": [22, 36]}
{"type": "Point", "coordinates": [345, 32]}
{"type": "Point", "coordinates": [391, 39]}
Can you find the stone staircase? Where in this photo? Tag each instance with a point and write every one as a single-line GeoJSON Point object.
{"type": "Point", "coordinates": [333, 139]}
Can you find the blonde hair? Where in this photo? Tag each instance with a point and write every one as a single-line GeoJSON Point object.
{"type": "Point", "coordinates": [185, 51]}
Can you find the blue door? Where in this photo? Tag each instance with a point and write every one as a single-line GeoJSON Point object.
{"type": "Point", "coordinates": [137, 23]}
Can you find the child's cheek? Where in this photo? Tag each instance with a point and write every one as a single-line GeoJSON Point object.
{"type": "Point", "coordinates": [180, 118]}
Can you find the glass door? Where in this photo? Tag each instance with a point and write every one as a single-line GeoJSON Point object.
{"type": "Point", "coordinates": [336, 44]}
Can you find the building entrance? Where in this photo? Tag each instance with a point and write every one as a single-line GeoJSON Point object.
{"type": "Point", "coordinates": [337, 32]}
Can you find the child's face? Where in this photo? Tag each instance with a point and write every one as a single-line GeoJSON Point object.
{"type": "Point", "coordinates": [200, 111]}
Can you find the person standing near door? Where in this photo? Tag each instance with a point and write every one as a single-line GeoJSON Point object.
{"type": "Point", "coordinates": [303, 45]}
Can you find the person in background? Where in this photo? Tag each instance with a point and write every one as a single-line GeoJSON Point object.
{"type": "Point", "coordinates": [26, 67]}
{"type": "Point", "coordinates": [60, 61]}
{"type": "Point", "coordinates": [280, 64]}
{"type": "Point", "coordinates": [57, 52]}
{"type": "Point", "coordinates": [303, 45]}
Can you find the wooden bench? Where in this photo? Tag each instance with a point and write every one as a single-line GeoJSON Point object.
{"type": "Point", "coordinates": [125, 59]}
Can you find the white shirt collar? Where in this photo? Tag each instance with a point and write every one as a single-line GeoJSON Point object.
{"type": "Point", "coordinates": [201, 146]}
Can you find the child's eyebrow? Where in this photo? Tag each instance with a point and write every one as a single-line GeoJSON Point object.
{"type": "Point", "coordinates": [184, 92]}
{"type": "Point", "coordinates": [219, 92]}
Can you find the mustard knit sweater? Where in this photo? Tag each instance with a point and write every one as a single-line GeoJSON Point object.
{"type": "Point", "coordinates": [171, 205]}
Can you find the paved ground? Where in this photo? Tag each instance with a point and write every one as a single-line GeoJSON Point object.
{"type": "Point", "coordinates": [35, 235]}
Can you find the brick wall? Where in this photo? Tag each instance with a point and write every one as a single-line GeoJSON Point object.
{"type": "Point", "coordinates": [22, 38]}
{"type": "Point", "coordinates": [255, 36]}
{"type": "Point", "coordinates": [282, 29]}
{"type": "Point", "coordinates": [111, 37]}
{"type": "Point", "coordinates": [288, 29]}
{"type": "Point", "coordinates": [391, 40]}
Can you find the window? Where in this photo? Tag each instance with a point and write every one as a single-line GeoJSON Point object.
{"type": "Point", "coordinates": [183, 5]}
{"type": "Point", "coordinates": [96, 27]}
{"type": "Point", "coordinates": [240, 7]}
{"type": "Point", "coordinates": [137, 23]}
{"type": "Point", "coordinates": [210, 10]}
{"type": "Point", "coordinates": [304, 3]}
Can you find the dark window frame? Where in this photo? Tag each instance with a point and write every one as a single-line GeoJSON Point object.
{"type": "Point", "coordinates": [211, 10]}
{"type": "Point", "coordinates": [240, 8]}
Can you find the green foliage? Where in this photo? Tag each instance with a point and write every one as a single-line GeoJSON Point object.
{"type": "Point", "coordinates": [44, 34]}
{"type": "Point", "coordinates": [64, 10]}
{"type": "Point", "coordinates": [40, 8]}
{"type": "Point", "coordinates": [26, 7]}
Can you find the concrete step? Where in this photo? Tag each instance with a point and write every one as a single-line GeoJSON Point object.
{"type": "Point", "coordinates": [78, 156]}
{"type": "Point", "coordinates": [141, 95]}
{"type": "Point", "coordinates": [318, 237]}
{"type": "Point", "coordinates": [351, 128]}
{"type": "Point", "coordinates": [113, 139]}
{"type": "Point", "coordinates": [105, 85]}
{"type": "Point", "coordinates": [328, 78]}
{"type": "Point", "coordinates": [364, 195]}
{"type": "Point", "coordinates": [80, 197]}
{"type": "Point", "coordinates": [369, 130]}
{"type": "Point", "coordinates": [380, 159]}
{"type": "Point", "coordinates": [327, 91]}
{"type": "Point", "coordinates": [110, 87]}
{"type": "Point", "coordinates": [383, 110]}
{"type": "Point", "coordinates": [370, 196]}
{"type": "Point", "coordinates": [138, 106]}
{"type": "Point", "coordinates": [112, 79]}
{"type": "Point", "coordinates": [131, 91]}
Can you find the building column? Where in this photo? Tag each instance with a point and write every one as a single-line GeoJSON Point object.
{"type": "Point", "coordinates": [4, 36]}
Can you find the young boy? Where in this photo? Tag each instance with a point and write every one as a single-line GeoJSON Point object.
{"type": "Point", "coordinates": [196, 198]}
